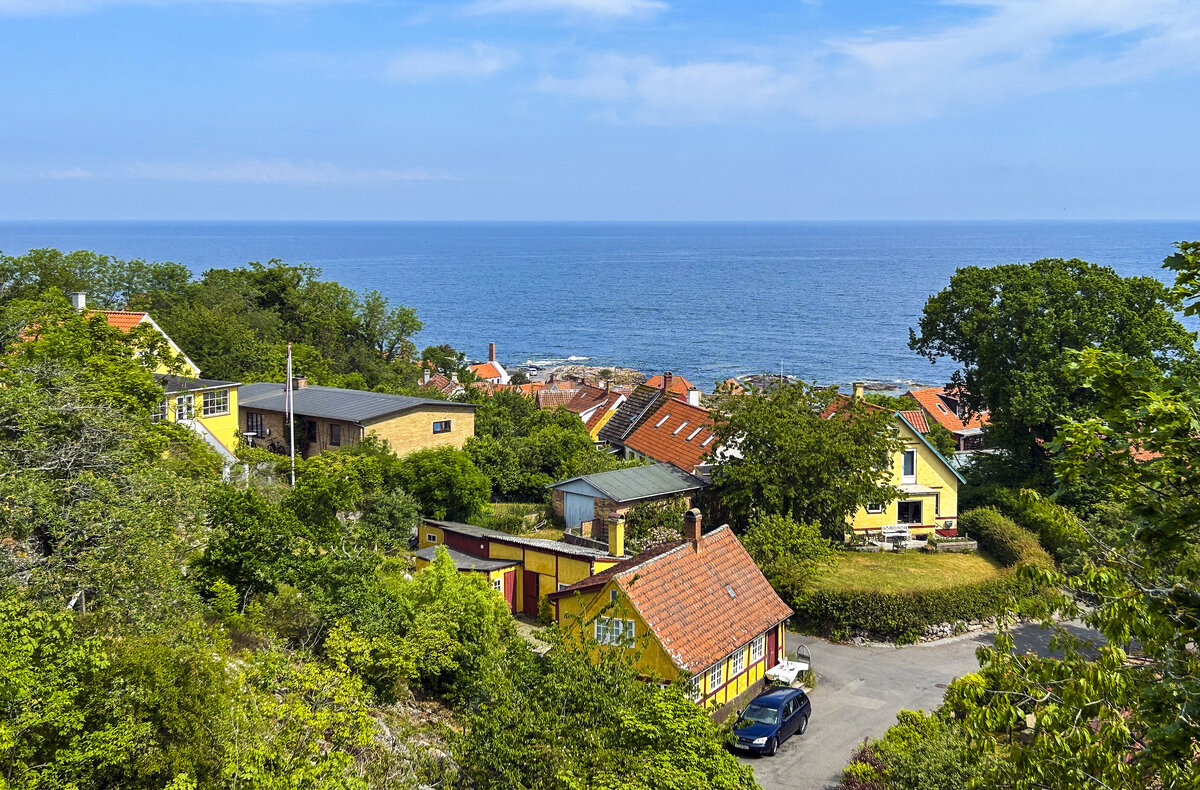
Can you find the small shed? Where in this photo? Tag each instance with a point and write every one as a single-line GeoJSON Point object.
{"type": "Point", "coordinates": [501, 574]}
{"type": "Point", "coordinates": [580, 501]}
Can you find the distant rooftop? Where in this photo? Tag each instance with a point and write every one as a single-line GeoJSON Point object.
{"type": "Point", "coordinates": [640, 482]}
{"type": "Point", "coordinates": [464, 561]}
{"type": "Point", "coordinates": [520, 540]}
{"type": "Point", "coordinates": [335, 403]}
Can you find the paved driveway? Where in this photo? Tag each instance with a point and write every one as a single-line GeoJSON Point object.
{"type": "Point", "coordinates": [860, 688]}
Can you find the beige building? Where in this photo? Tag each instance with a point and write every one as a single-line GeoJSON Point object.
{"type": "Point", "coordinates": [328, 418]}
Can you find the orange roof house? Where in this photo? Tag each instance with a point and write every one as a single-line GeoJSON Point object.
{"type": "Point", "coordinates": [437, 382]}
{"type": "Point", "coordinates": [697, 607]}
{"type": "Point", "coordinates": [126, 320]}
{"type": "Point", "coordinates": [491, 371]}
{"type": "Point", "coordinates": [950, 412]}
{"type": "Point", "coordinates": [677, 433]}
{"type": "Point", "coordinates": [595, 406]}
{"type": "Point", "coordinates": [677, 385]}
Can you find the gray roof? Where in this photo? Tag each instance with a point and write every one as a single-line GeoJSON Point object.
{"type": "Point", "coordinates": [520, 540]}
{"type": "Point", "coordinates": [641, 482]}
{"type": "Point", "coordinates": [641, 403]}
{"type": "Point", "coordinates": [171, 383]}
{"type": "Point", "coordinates": [464, 561]}
{"type": "Point", "coordinates": [335, 403]}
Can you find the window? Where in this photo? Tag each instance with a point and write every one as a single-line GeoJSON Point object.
{"type": "Point", "coordinates": [185, 407]}
{"type": "Point", "coordinates": [692, 435]}
{"type": "Point", "coordinates": [254, 423]}
{"type": "Point", "coordinates": [908, 512]}
{"type": "Point", "coordinates": [909, 473]}
{"type": "Point", "coordinates": [789, 708]}
{"type": "Point", "coordinates": [660, 422]}
{"type": "Point", "coordinates": [310, 430]}
{"type": "Point", "coordinates": [159, 412]}
{"type": "Point", "coordinates": [612, 595]}
{"type": "Point", "coordinates": [441, 426]}
{"type": "Point", "coordinates": [758, 647]}
{"type": "Point", "coordinates": [614, 631]}
{"type": "Point", "coordinates": [431, 537]}
{"type": "Point", "coordinates": [562, 586]}
{"type": "Point", "coordinates": [737, 662]}
{"type": "Point", "coordinates": [874, 508]}
{"type": "Point", "coordinates": [682, 425]}
{"type": "Point", "coordinates": [335, 434]}
{"type": "Point", "coordinates": [215, 403]}
{"type": "Point", "coordinates": [716, 676]}
{"type": "Point", "coordinates": [942, 409]}
{"type": "Point", "coordinates": [695, 691]}
{"type": "Point", "coordinates": [708, 441]}
{"type": "Point", "coordinates": [498, 584]}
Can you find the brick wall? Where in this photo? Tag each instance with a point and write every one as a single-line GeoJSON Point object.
{"type": "Point", "coordinates": [413, 430]}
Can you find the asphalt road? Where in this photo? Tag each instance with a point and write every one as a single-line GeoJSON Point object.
{"type": "Point", "coordinates": [860, 689]}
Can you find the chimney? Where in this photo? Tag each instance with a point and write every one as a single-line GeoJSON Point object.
{"type": "Point", "coordinates": [491, 352]}
{"type": "Point", "coordinates": [299, 382]}
{"type": "Point", "coordinates": [79, 300]}
{"type": "Point", "coordinates": [667, 381]}
{"type": "Point", "coordinates": [608, 386]}
{"type": "Point", "coordinates": [454, 377]}
{"type": "Point", "coordinates": [427, 375]}
{"type": "Point", "coordinates": [616, 536]}
{"type": "Point", "coordinates": [856, 390]}
{"type": "Point", "coordinates": [691, 529]}
{"type": "Point", "coordinates": [693, 397]}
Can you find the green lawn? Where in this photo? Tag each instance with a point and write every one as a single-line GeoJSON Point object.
{"type": "Point", "coordinates": [910, 570]}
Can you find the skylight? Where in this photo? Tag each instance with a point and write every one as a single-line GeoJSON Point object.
{"type": "Point", "coordinates": [729, 590]}
{"type": "Point", "coordinates": [942, 409]}
{"type": "Point", "coordinates": [706, 441]}
{"type": "Point", "coordinates": [660, 422]}
{"type": "Point", "coordinates": [682, 425]}
{"type": "Point", "coordinates": [692, 435]}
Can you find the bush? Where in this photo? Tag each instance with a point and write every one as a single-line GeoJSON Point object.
{"type": "Point", "coordinates": [647, 523]}
{"type": "Point", "coordinates": [1057, 529]}
{"type": "Point", "coordinates": [999, 536]}
{"type": "Point", "coordinates": [905, 616]}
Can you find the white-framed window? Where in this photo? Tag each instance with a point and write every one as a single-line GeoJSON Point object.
{"type": "Point", "coordinates": [716, 676]}
{"type": "Point", "coordinates": [758, 648]}
{"type": "Point", "coordinates": [159, 412]}
{"type": "Point", "coordinates": [562, 586]}
{"type": "Point", "coordinates": [874, 508]}
{"type": "Point", "coordinates": [737, 662]}
{"type": "Point", "coordinates": [254, 423]}
{"type": "Point", "coordinates": [214, 403]}
{"type": "Point", "coordinates": [441, 426]}
{"type": "Point", "coordinates": [431, 537]}
{"type": "Point", "coordinates": [614, 631]}
{"type": "Point", "coordinates": [695, 690]}
{"type": "Point", "coordinates": [908, 474]}
{"type": "Point", "coordinates": [185, 406]}
{"type": "Point", "coordinates": [498, 585]}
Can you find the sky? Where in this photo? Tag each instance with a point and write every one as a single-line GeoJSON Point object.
{"type": "Point", "coordinates": [599, 109]}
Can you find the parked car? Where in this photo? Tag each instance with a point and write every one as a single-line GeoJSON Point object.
{"type": "Point", "coordinates": [772, 718]}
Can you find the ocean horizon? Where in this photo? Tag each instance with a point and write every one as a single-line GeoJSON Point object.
{"type": "Point", "coordinates": [825, 301]}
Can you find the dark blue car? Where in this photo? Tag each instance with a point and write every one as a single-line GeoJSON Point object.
{"type": "Point", "coordinates": [771, 719]}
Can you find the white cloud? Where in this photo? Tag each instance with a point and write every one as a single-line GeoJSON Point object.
{"type": "Point", "coordinates": [62, 7]}
{"type": "Point", "coordinates": [1013, 49]}
{"type": "Point", "coordinates": [269, 171]}
{"type": "Point", "coordinates": [594, 8]}
{"type": "Point", "coordinates": [427, 65]}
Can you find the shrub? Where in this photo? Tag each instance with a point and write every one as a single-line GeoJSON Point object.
{"type": "Point", "coordinates": [1057, 529]}
{"type": "Point", "coordinates": [788, 553]}
{"type": "Point", "coordinates": [647, 523]}
{"type": "Point", "coordinates": [999, 536]}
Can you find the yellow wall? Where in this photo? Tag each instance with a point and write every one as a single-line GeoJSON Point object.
{"type": "Point", "coordinates": [413, 429]}
{"type": "Point", "coordinates": [932, 473]}
{"type": "Point", "coordinates": [580, 611]}
{"type": "Point", "coordinates": [223, 426]}
{"type": "Point", "coordinates": [751, 674]}
{"type": "Point", "coordinates": [608, 415]}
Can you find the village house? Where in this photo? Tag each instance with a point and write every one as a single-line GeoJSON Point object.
{"type": "Point", "coordinates": [950, 412]}
{"type": "Point", "coordinates": [591, 502]}
{"type": "Point", "coordinates": [695, 608]}
{"type": "Point", "coordinates": [330, 417]}
{"type": "Point", "coordinates": [637, 408]}
{"type": "Point", "coordinates": [432, 380]}
{"type": "Point", "coordinates": [491, 372]}
{"type": "Point", "coordinates": [677, 432]}
{"type": "Point", "coordinates": [672, 383]}
{"type": "Point", "coordinates": [596, 405]}
{"type": "Point", "coordinates": [538, 566]}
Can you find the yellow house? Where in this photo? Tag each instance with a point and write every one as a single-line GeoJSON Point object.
{"type": "Point", "coordinates": [929, 486]}
{"type": "Point", "coordinates": [541, 566]}
{"type": "Point", "coordinates": [126, 320]}
{"type": "Point", "coordinates": [500, 574]}
{"type": "Point", "coordinates": [207, 406]}
{"type": "Point", "coordinates": [331, 417]}
{"type": "Point", "coordinates": [695, 608]}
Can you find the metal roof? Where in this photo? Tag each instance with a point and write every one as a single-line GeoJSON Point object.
{"type": "Point", "coordinates": [464, 561]}
{"type": "Point", "coordinates": [640, 482]}
{"type": "Point", "coordinates": [533, 543]}
{"type": "Point", "coordinates": [171, 383]}
{"type": "Point", "coordinates": [335, 403]}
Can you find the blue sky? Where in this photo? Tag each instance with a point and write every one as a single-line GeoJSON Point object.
{"type": "Point", "coordinates": [599, 109]}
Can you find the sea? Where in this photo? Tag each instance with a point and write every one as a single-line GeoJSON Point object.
{"type": "Point", "coordinates": [828, 302]}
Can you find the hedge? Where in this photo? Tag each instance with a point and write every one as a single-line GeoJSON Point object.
{"type": "Point", "coordinates": [999, 536]}
{"type": "Point", "coordinates": [906, 616]}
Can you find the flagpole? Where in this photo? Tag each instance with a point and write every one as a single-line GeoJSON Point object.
{"type": "Point", "coordinates": [290, 408]}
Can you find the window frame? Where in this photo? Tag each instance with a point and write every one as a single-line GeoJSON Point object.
{"type": "Point", "coordinates": [160, 411]}
{"type": "Point", "coordinates": [335, 435]}
{"type": "Point", "coordinates": [431, 537]}
{"type": "Point", "coordinates": [758, 648]}
{"type": "Point", "coordinates": [182, 411]}
{"type": "Point", "coordinates": [220, 405]}
{"type": "Point", "coordinates": [875, 510]}
{"type": "Point", "coordinates": [498, 585]}
{"type": "Point", "coordinates": [905, 476]}
{"type": "Point", "coordinates": [920, 506]}
{"type": "Point", "coordinates": [448, 429]}
{"type": "Point", "coordinates": [715, 675]}
{"type": "Point", "coordinates": [736, 658]}
{"type": "Point", "coordinates": [254, 423]}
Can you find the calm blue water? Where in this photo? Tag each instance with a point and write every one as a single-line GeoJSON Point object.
{"type": "Point", "coordinates": [831, 301]}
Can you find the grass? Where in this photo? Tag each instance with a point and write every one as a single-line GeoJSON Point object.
{"type": "Point", "coordinates": [906, 571]}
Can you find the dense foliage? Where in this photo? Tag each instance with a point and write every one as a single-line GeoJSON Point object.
{"type": "Point", "coordinates": [1000, 537]}
{"type": "Point", "coordinates": [653, 522]}
{"type": "Point", "coordinates": [920, 752]}
{"type": "Point", "coordinates": [788, 553]}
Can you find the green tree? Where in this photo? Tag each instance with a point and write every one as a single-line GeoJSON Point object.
{"type": "Point", "coordinates": [942, 440]}
{"type": "Point", "coordinates": [792, 459]}
{"type": "Point", "coordinates": [445, 482]}
{"type": "Point", "coordinates": [789, 554]}
{"type": "Point", "coordinates": [650, 523]}
{"type": "Point", "coordinates": [1010, 329]}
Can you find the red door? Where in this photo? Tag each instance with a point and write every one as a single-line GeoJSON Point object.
{"type": "Point", "coordinates": [772, 647]}
{"type": "Point", "coordinates": [529, 588]}
{"type": "Point", "coordinates": [510, 590]}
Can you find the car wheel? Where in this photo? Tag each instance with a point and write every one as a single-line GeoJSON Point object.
{"type": "Point", "coordinates": [803, 725]}
{"type": "Point", "coordinates": [772, 747]}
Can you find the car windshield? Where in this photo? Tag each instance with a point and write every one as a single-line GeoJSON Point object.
{"type": "Point", "coordinates": [760, 714]}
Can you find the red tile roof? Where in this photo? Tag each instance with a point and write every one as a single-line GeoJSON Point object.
{"type": "Point", "coordinates": [942, 407]}
{"type": "Point", "coordinates": [124, 320]}
{"type": "Point", "coordinates": [587, 397]}
{"type": "Point", "coordinates": [679, 385]}
{"type": "Point", "coordinates": [916, 418]}
{"type": "Point", "coordinates": [700, 606]}
{"type": "Point", "coordinates": [440, 383]}
{"type": "Point", "coordinates": [549, 398]}
{"type": "Point", "coordinates": [677, 433]}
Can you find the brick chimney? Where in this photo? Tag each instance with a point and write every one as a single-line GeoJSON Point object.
{"type": "Point", "coordinates": [299, 382]}
{"type": "Point", "coordinates": [616, 537]}
{"type": "Point", "coordinates": [491, 352]}
{"type": "Point", "coordinates": [692, 528]}
{"type": "Point", "coordinates": [79, 300]}
{"type": "Point", "coordinates": [693, 397]}
{"type": "Point", "coordinates": [667, 381]}
{"type": "Point", "coordinates": [427, 375]}
{"type": "Point", "coordinates": [856, 390]}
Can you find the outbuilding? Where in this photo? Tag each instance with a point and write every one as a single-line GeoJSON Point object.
{"type": "Point", "coordinates": [595, 499]}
